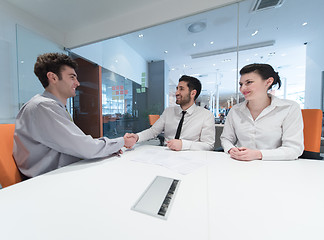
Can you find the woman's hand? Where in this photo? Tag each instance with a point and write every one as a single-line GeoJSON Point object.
{"type": "Point", "coordinates": [245, 154]}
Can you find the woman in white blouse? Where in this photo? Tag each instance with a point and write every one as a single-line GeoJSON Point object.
{"type": "Point", "coordinates": [263, 126]}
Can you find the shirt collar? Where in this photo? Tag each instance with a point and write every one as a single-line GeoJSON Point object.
{"type": "Point", "coordinates": [189, 111]}
{"type": "Point", "coordinates": [51, 96]}
{"type": "Point", "coordinates": [275, 102]}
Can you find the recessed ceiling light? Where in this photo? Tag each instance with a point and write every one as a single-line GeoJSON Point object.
{"type": "Point", "coordinates": [304, 24]}
{"type": "Point", "coordinates": [247, 59]}
{"type": "Point", "coordinates": [165, 51]}
{"type": "Point", "coordinates": [255, 33]}
{"type": "Point", "coordinates": [214, 64]}
{"type": "Point", "coordinates": [184, 65]}
{"type": "Point", "coordinates": [197, 27]}
{"type": "Point", "coordinates": [172, 69]}
{"type": "Point", "coordinates": [194, 44]}
{"type": "Point", "coordinates": [226, 60]}
{"type": "Point", "coordinates": [140, 35]}
{"type": "Point", "coordinates": [116, 61]}
{"type": "Point", "coordinates": [22, 61]}
{"type": "Point", "coordinates": [211, 42]}
{"type": "Point", "coordinates": [256, 54]}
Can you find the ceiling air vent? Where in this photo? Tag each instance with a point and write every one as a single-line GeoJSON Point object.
{"type": "Point", "coordinates": [266, 4]}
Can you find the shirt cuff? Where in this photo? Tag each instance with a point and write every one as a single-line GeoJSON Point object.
{"type": "Point", "coordinates": [139, 137]}
{"type": "Point", "coordinates": [227, 147]}
{"type": "Point", "coordinates": [186, 145]}
{"type": "Point", "coordinates": [274, 154]}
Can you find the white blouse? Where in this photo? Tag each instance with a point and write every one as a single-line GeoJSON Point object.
{"type": "Point", "coordinates": [277, 132]}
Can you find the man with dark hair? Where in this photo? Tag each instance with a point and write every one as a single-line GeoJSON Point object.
{"type": "Point", "coordinates": [45, 136]}
{"type": "Point", "coordinates": [187, 126]}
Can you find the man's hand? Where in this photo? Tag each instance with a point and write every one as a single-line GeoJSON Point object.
{"type": "Point", "coordinates": [175, 144]}
{"type": "Point", "coordinates": [130, 140]}
{"type": "Point", "coordinates": [132, 135]}
{"type": "Point", "coordinates": [245, 154]}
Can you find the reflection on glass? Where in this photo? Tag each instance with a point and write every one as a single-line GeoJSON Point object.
{"type": "Point", "coordinates": [119, 106]}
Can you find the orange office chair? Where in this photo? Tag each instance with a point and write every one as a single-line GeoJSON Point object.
{"type": "Point", "coordinates": [9, 173]}
{"type": "Point", "coordinates": [152, 120]}
{"type": "Point", "coordinates": [312, 133]}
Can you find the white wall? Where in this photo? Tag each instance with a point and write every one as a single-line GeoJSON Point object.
{"type": "Point", "coordinates": [117, 56]}
{"type": "Point", "coordinates": [314, 68]}
{"type": "Point", "coordinates": [29, 46]}
{"type": "Point", "coordinates": [9, 17]}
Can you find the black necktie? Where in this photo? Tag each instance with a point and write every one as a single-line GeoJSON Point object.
{"type": "Point", "coordinates": [177, 136]}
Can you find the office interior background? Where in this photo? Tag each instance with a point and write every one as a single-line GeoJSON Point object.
{"type": "Point", "coordinates": [131, 54]}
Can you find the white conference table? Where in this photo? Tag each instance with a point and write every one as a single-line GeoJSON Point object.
{"type": "Point", "coordinates": [224, 199]}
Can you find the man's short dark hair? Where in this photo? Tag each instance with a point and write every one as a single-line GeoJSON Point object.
{"type": "Point", "coordinates": [193, 84]}
{"type": "Point", "coordinates": [52, 62]}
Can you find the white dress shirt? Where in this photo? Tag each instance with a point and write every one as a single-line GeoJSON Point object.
{"type": "Point", "coordinates": [46, 138]}
{"type": "Point", "coordinates": [277, 132]}
{"type": "Point", "coordinates": [198, 129]}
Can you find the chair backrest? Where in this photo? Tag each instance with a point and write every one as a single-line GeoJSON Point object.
{"type": "Point", "coordinates": [312, 133]}
{"type": "Point", "coordinates": [153, 119]}
{"type": "Point", "coordinates": [9, 173]}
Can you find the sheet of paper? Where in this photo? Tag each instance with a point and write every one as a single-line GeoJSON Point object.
{"type": "Point", "coordinates": [183, 162]}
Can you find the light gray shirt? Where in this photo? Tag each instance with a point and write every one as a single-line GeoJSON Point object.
{"type": "Point", "coordinates": [198, 129]}
{"type": "Point", "coordinates": [46, 138]}
{"type": "Point", "coordinates": [277, 132]}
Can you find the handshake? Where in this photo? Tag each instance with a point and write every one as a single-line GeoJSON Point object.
{"type": "Point", "coordinates": [130, 139]}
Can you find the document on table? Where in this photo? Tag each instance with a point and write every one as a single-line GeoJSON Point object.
{"type": "Point", "coordinates": [181, 162]}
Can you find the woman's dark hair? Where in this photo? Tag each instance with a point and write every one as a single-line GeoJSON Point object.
{"type": "Point", "coordinates": [264, 70]}
{"type": "Point", "coordinates": [193, 84]}
{"type": "Point", "coordinates": [52, 62]}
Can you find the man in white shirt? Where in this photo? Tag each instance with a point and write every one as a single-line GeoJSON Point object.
{"type": "Point", "coordinates": [186, 126]}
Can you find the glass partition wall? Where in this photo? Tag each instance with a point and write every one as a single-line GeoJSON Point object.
{"type": "Point", "coordinates": [213, 46]}
{"type": "Point", "coordinates": [119, 113]}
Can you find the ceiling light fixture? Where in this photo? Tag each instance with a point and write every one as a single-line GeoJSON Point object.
{"type": "Point", "coordinates": [140, 35]}
{"type": "Point", "coordinates": [194, 44]}
{"type": "Point", "coordinates": [165, 51]}
{"type": "Point", "coordinates": [211, 42]}
{"type": "Point", "coordinates": [255, 33]}
{"type": "Point", "coordinates": [304, 24]}
{"type": "Point", "coordinates": [234, 49]}
{"type": "Point", "coordinates": [197, 27]}
{"type": "Point", "coordinates": [226, 60]}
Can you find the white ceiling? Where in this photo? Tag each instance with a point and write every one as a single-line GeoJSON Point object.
{"type": "Point", "coordinates": [69, 15]}
{"type": "Point", "coordinates": [82, 22]}
{"type": "Point", "coordinates": [282, 25]}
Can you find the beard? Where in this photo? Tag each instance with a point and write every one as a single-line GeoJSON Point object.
{"type": "Point", "coordinates": [183, 100]}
